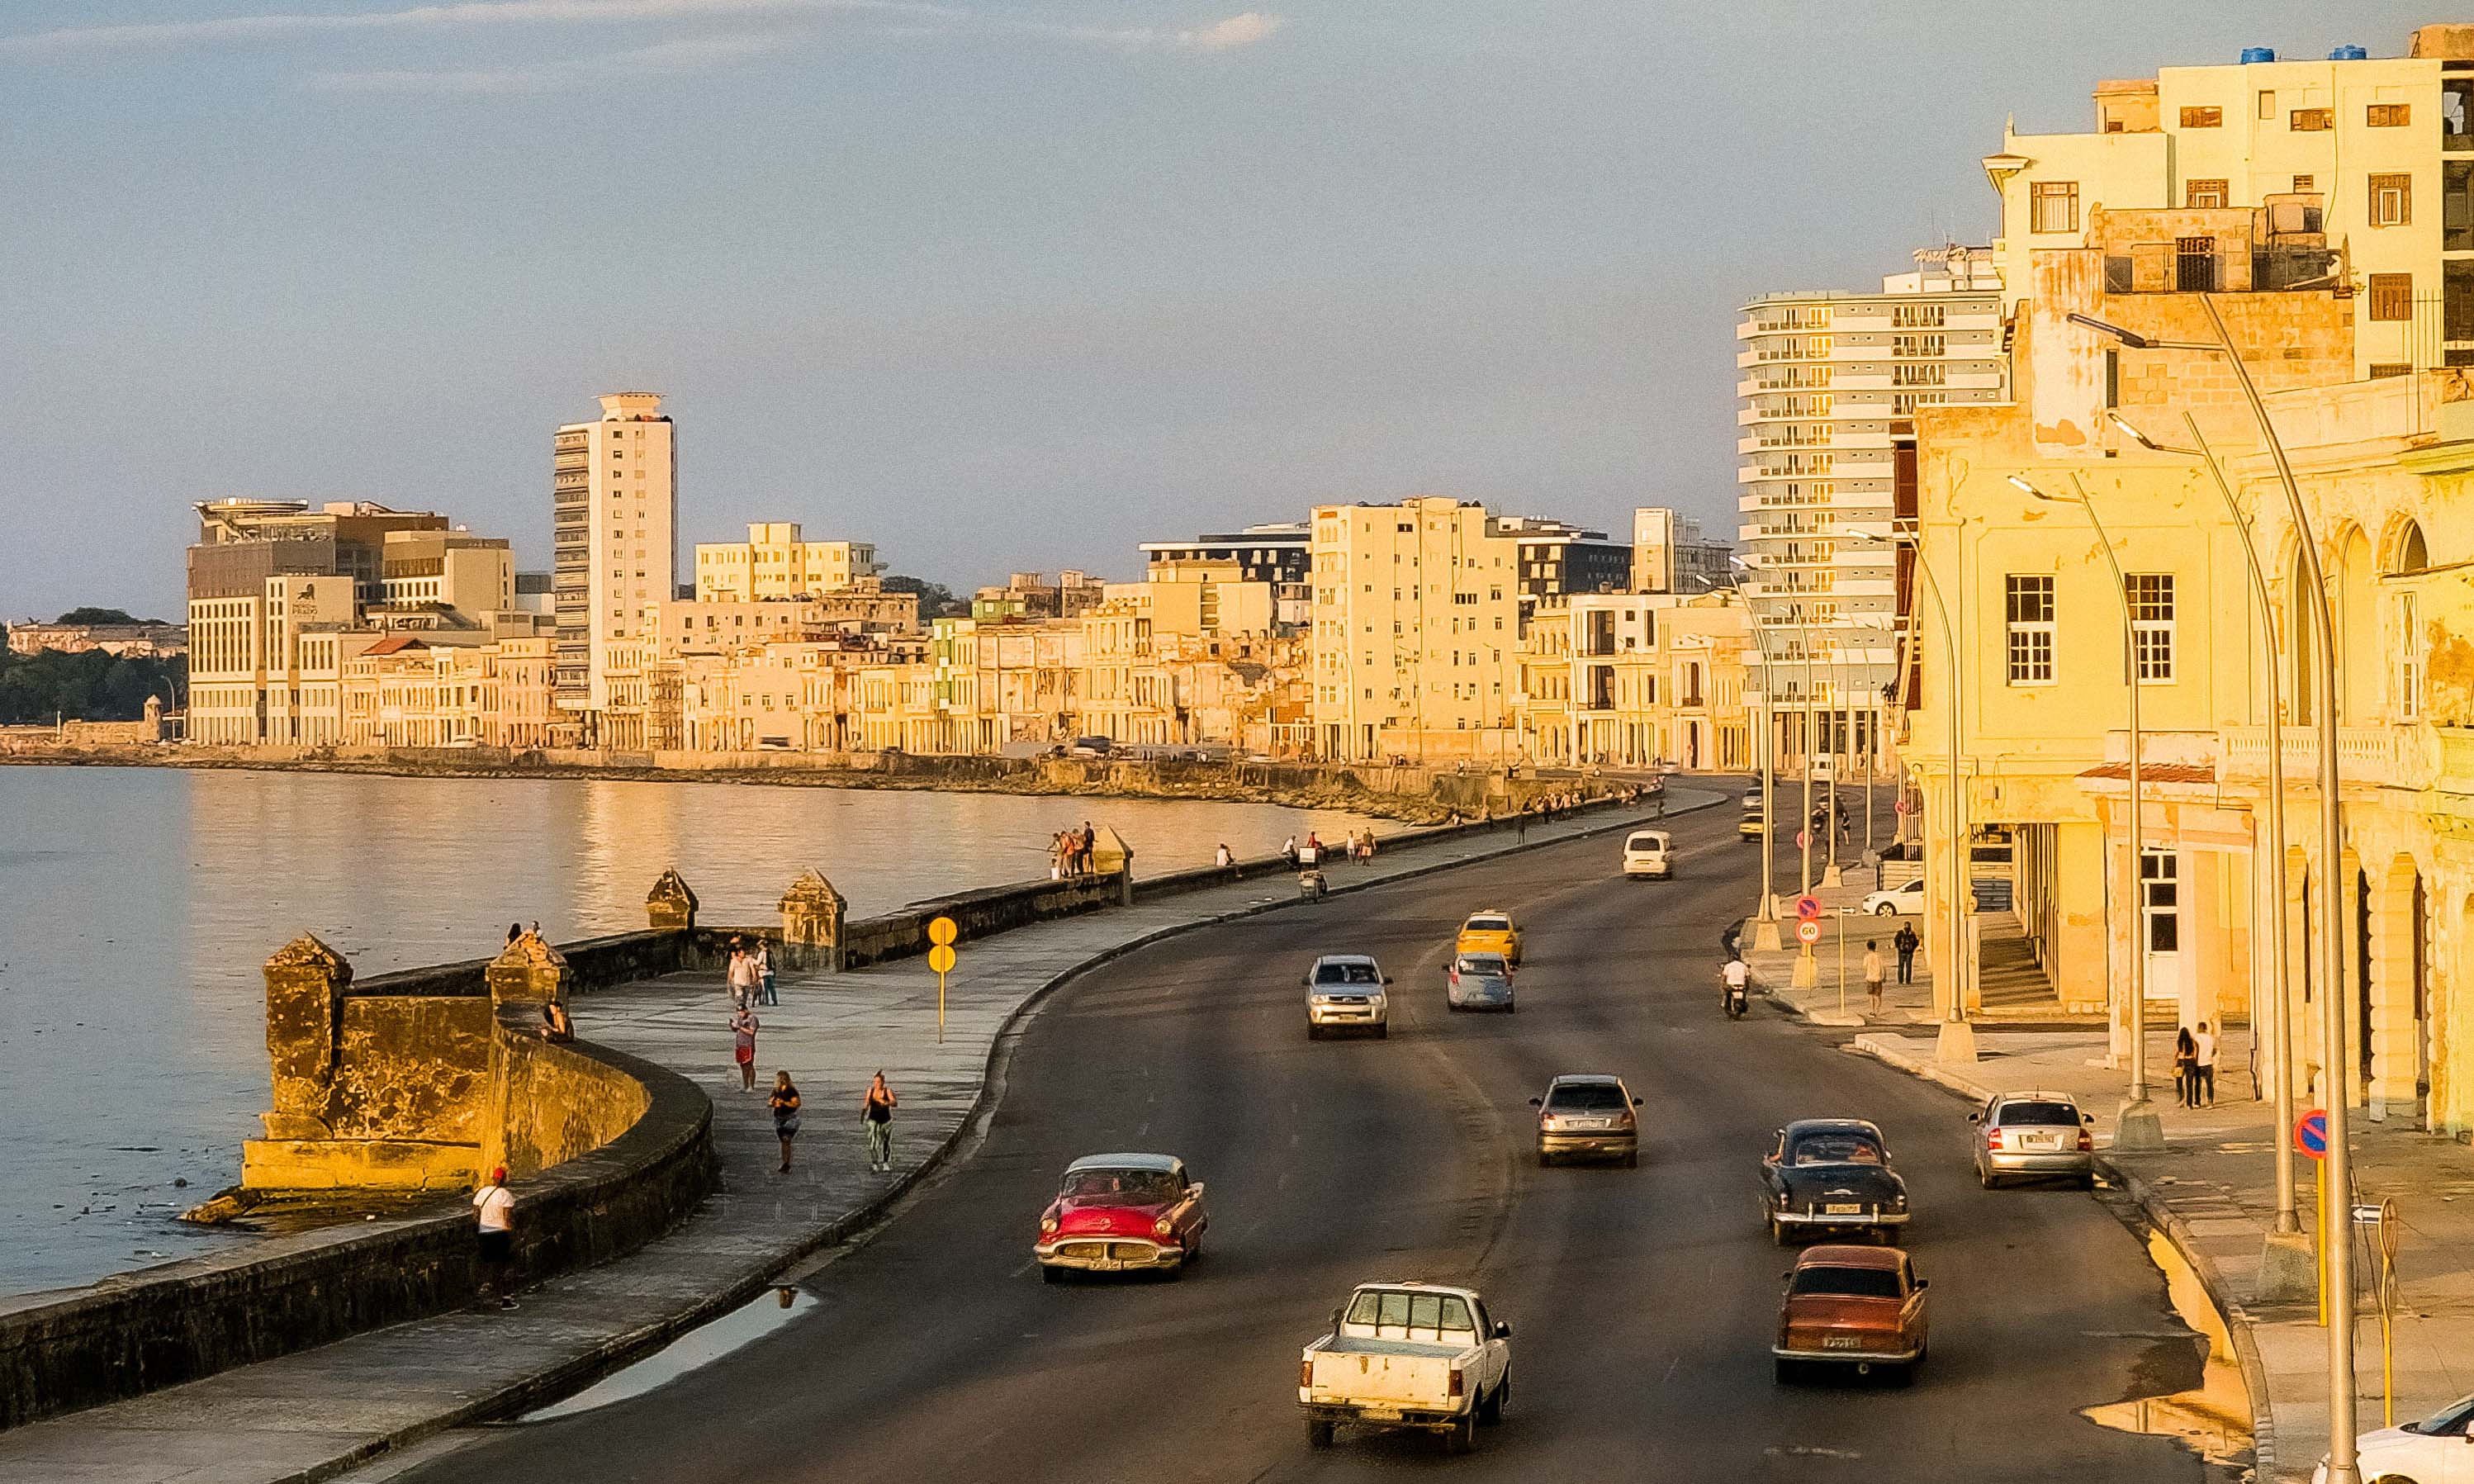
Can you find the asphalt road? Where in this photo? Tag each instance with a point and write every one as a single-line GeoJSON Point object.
{"type": "Point", "coordinates": [1643, 1301]}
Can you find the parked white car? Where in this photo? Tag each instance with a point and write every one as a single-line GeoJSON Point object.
{"type": "Point", "coordinates": [1416, 1355]}
{"type": "Point", "coordinates": [1645, 855]}
{"type": "Point", "coordinates": [1908, 901]}
{"type": "Point", "coordinates": [2437, 1449]}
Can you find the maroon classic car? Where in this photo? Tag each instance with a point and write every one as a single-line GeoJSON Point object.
{"type": "Point", "coordinates": [1123, 1214]}
{"type": "Point", "coordinates": [1860, 1306]}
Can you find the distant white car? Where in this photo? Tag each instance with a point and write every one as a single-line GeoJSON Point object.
{"type": "Point", "coordinates": [1645, 855]}
{"type": "Point", "coordinates": [2438, 1449]}
{"type": "Point", "coordinates": [1908, 901]}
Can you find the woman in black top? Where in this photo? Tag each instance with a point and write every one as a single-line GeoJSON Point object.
{"type": "Point", "coordinates": [877, 1112]}
{"type": "Point", "coordinates": [784, 1102]}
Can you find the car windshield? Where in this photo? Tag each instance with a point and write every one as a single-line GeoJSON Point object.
{"type": "Point", "coordinates": [1487, 964]}
{"type": "Point", "coordinates": [1584, 1097]}
{"type": "Point", "coordinates": [1144, 1186]}
{"type": "Point", "coordinates": [1393, 1314]}
{"type": "Point", "coordinates": [2449, 1422]}
{"type": "Point", "coordinates": [1837, 1145]}
{"type": "Point", "coordinates": [2016, 1116]}
{"type": "Point", "coordinates": [1347, 974]}
{"type": "Point", "coordinates": [1489, 925]}
{"type": "Point", "coordinates": [1847, 1282]}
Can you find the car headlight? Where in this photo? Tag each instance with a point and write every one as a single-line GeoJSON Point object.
{"type": "Point", "coordinates": [1163, 1226]}
{"type": "Point", "coordinates": [1048, 1225]}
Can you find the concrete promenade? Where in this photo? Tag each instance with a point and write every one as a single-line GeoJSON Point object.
{"type": "Point", "coordinates": [316, 1414]}
{"type": "Point", "coordinates": [2212, 1191]}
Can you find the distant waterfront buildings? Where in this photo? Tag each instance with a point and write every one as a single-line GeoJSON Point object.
{"type": "Point", "coordinates": [1669, 554]}
{"type": "Point", "coordinates": [774, 563]}
{"type": "Point", "coordinates": [1279, 553]}
{"type": "Point", "coordinates": [613, 543]}
{"type": "Point", "coordinates": [1831, 383]}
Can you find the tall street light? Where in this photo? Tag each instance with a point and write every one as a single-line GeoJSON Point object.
{"type": "Point", "coordinates": [1956, 1040]}
{"type": "Point", "coordinates": [2287, 1270]}
{"type": "Point", "coordinates": [2136, 1127]}
{"type": "Point", "coordinates": [2336, 1234]}
{"type": "Point", "coordinates": [1766, 929]}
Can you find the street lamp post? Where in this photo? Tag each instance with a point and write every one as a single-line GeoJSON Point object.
{"type": "Point", "coordinates": [1957, 1041]}
{"type": "Point", "coordinates": [1765, 931]}
{"type": "Point", "coordinates": [2286, 1268]}
{"type": "Point", "coordinates": [2136, 1127]}
{"type": "Point", "coordinates": [2336, 1244]}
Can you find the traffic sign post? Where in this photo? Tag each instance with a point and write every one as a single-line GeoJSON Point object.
{"type": "Point", "coordinates": [2311, 1138]}
{"type": "Point", "coordinates": [1808, 907]}
{"type": "Point", "coordinates": [1807, 932]}
{"type": "Point", "coordinates": [941, 933]}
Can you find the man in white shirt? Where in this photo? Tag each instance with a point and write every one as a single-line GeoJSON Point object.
{"type": "Point", "coordinates": [496, 1208]}
{"type": "Point", "coordinates": [2204, 1058]}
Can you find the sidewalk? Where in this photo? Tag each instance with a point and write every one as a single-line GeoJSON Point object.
{"type": "Point", "coordinates": [2213, 1193]}
{"type": "Point", "coordinates": [1842, 922]}
{"type": "Point", "coordinates": [313, 1415]}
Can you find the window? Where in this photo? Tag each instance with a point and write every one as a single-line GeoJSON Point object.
{"type": "Point", "coordinates": [2204, 118]}
{"type": "Point", "coordinates": [2407, 679]}
{"type": "Point", "coordinates": [2204, 195]}
{"type": "Point", "coordinates": [2312, 120]}
{"type": "Point", "coordinates": [2393, 295]}
{"type": "Point", "coordinates": [2029, 629]}
{"type": "Point", "coordinates": [2384, 369]}
{"type": "Point", "coordinates": [2151, 628]}
{"type": "Point", "coordinates": [2388, 115]}
{"type": "Point", "coordinates": [2267, 103]}
{"type": "Point", "coordinates": [2160, 890]}
{"type": "Point", "coordinates": [2391, 201]}
{"type": "Point", "coordinates": [2053, 206]}
{"type": "Point", "coordinates": [2305, 184]}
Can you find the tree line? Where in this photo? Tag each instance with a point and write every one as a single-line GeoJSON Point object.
{"type": "Point", "coordinates": [89, 687]}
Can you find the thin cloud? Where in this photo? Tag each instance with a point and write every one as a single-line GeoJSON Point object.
{"type": "Point", "coordinates": [469, 14]}
{"type": "Point", "coordinates": [1240, 29]}
{"type": "Point", "coordinates": [686, 54]}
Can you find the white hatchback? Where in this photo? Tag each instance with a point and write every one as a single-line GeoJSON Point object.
{"type": "Point", "coordinates": [2438, 1449]}
{"type": "Point", "coordinates": [1908, 901]}
{"type": "Point", "coordinates": [1645, 854]}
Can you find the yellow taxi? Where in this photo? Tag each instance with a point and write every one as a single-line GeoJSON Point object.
{"type": "Point", "coordinates": [1490, 931]}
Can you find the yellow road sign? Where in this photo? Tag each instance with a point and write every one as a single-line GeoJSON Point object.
{"type": "Point", "coordinates": [941, 958]}
{"type": "Point", "coordinates": [942, 932]}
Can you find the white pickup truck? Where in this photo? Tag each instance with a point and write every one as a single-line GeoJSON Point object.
{"type": "Point", "coordinates": [1416, 1355]}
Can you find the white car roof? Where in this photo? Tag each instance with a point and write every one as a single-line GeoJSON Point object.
{"type": "Point", "coordinates": [1414, 1286]}
{"type": "Point", "coordinates": [1168, 1163]}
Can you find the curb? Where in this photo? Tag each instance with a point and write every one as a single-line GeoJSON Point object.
{"type": "Point", "coordinates": [2163, 1218]}
{"type": "Point", "coordinates": [621, 1351]}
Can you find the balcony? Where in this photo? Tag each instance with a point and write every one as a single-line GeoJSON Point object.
{"type": "Point", "coordinates": [2195, 266]}
{"type": "Point", "coordinates": [2367, 757]}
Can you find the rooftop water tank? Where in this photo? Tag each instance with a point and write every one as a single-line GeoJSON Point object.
{"type": "Point", "coordinates": [2251, 54]}
{"type": "Point", "coordinates": [2349, 54]}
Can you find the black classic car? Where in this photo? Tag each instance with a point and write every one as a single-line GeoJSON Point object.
{"type": "Point", "coordinates": [1829, 1175]}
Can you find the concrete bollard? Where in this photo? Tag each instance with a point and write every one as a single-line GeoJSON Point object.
{"type": "Point", "coordinates": [812, 918]}
{"type": "Point", "coordinates": [671, 905]}
{"type": "Point", "coordinates": [303, 980]}
{"type": "Point", "coordinates": [1111, 856]}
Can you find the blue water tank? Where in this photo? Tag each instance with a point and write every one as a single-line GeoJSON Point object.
{"type": "Point", "coordinates": [2251, 54]}
{"type": "Point", "coordinates": [2349, 54]}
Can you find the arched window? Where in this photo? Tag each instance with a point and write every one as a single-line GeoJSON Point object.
{"type": "Point", "coordinates": [2409, 555]}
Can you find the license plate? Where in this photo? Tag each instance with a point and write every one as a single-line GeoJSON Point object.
{"type": "Point", "coordinates": [2045, 1141]}
{"type": "Point", "coordinates": [1842, 1208]}
{"type": "Point", "coordinates": [1588, 1123]}
{"type": "Point", "coordinates": [1842, 1341]}
{"type": "Point", "coordinates": [1381, 1414]}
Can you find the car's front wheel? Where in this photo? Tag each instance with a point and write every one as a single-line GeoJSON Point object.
{"type": "Point", "coordinates": [1383, 1031]}
{"type": "Point", "coordinates": [1886, 910]}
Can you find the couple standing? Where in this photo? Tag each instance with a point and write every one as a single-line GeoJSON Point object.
{"type": "Point", "coordinates": [751, 974]}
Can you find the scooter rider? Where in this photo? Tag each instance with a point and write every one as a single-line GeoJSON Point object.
{"type": "Point", "coordinates": [1733, 998]}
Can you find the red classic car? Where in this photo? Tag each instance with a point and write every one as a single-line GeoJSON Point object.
{"type": "Point", "coordinates": [1860, 1306]}
{"type": "Point", "coordinates": [1122, 1213]}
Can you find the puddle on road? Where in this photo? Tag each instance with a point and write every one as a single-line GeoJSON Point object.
{"type": "Point", "coordinates": [2213, 1418]}
{"type": "Point", "coordinates": [701, 1346]}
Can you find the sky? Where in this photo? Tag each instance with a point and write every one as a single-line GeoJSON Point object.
{"type": "Point", "coordinates": [996, 286]}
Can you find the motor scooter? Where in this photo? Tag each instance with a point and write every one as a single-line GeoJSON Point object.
{"type": "Point", "coordinates": [1735, 998]}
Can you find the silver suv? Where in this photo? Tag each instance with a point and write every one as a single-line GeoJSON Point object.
{"type": "Point", "coordinates": [2032, 1135]}
{"type": "Point", "coordinates": [1345, 991]}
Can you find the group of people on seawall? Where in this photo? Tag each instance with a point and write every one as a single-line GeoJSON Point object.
{"type": "Point", "coordinates": [1069, 851]}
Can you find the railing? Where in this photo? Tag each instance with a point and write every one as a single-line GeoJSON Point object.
{"type": "Point", "coordinates": [2177, 268]}
{"type": "Point", "coordinates": [2373, 756]}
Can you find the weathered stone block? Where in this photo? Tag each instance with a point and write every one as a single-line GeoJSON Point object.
{"type": "Point", "coordinates": [531, 970]}
{"type": "Point", "coordinates": [671, 904]}
{"type": "Point", "coordinates": [303, 980]}
{"type": "Point", "coordinates": [812, 916]}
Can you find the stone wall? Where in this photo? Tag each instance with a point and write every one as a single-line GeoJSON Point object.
{"type": "Point", "coordinates": [185, 1320]}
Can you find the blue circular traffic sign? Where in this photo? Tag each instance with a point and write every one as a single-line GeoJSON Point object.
{"type": "Point", "coordinates": [2311, 1133]}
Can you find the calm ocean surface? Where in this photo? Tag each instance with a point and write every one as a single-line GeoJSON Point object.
{"type": "Point", "coordinates": [136, 905]}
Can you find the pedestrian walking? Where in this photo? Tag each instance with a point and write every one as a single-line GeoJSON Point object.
{"type": "Point", "coordinates": [741, 975]}
{"type": "Point", "coordinates": [2185, 1069]}
{"type": "Point", "coordinates": [765, 972]}
{"type": "Point", "coordinates": [877, 1112]}
{"type": "Point", "coordinates": [1289, 852]}
{"type": "Point", "coordinates": [785, 1104]}
{"type": "Point", "coordinates": [495, 1229]}
{"type": "Point", "coordinates": [1873, 974]}
{"type": "Point", "coordinates": [1089, 841]}
{"type": "Point", "coordinates": [2203, 1066]}
{"type": "Point", "coordinates": [742, 1032]}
